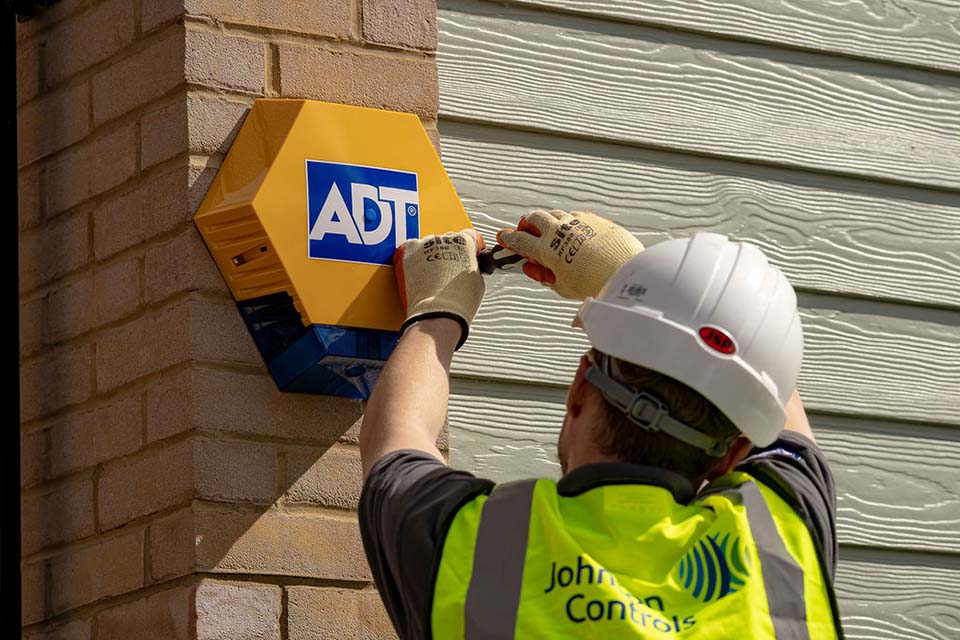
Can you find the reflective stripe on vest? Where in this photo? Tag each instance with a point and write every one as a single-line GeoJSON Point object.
{"type": "Point", "coordinates": [493, 595]}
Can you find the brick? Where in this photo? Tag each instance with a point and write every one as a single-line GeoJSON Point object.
{"type": "Point", "coordinates": [91, 437]}
{"type": "Point", "coordinates": [55, 250]}
{"type": "Point", "coordinates": [249, 403]}
{"type": "Point", "coordinates": [237, 611]}
{"type": "Point", "coordinates": [90, 168]}
{"type": "Point", "coordinates": [215, 60]}
{"type": "Point", "coordinates": [172, 550]}
{"type": "Point", "coordinates": [330, 478]}
{"type": "Point", "coordinates": [320, 17]}
{"type": "Point", "coordinates": [144, 76]}
{"type": "Point", "coordinates": [32, 321]}
{"type": "Point", "coordinates": [170, 405]}
{"type": "Point", "coordinates": [149, 482]}
{"type": "Point", "coordinates": [227, 471]}
{"type": "Point", "coordinates": [154, 206]}
{"type": "Point", "coordinates": [87, 39]}
{"type": "Point", "coordinates": [33, 591]}
{"type": "Point", "coordinates": [166, 615]}
{"type": "Point", "coordinates": [71, 630]}
{"type": "Point", "coordinates": [54, 380]}
{"type": "Point", "coordinates": [62, 514]}
{"type": "Point", "coordinates": [315, 545]}
{"type": "Point", "coordinates": [330, 614]}
{"type": "Point", "coordinates": [189, 329]}
{"type": "Point", "coordinates": [158, 13]}
{"type": "Point", "coordinates": [213, 124]}
{"type": "Point", "coordinates": [163, 132]}
{"type": "Point", "coordinates": [33, 456]}
{"type": "Point", "coordinates": [48, 17]}
{"type": "Point", "coordinates": [402, 23]}
{"type": "Point", "coordinates": [182, 264]}
{"type": "Point", "coordinates": [28, 71]}
{"type": "Point", "coordinates": [109, 293]}
{"type": "Point", "coordinates": [201, 175]}
{"type": "Point", "coordinates": [30, 196]}
{"type": "Point", "coordinates": [367, 80]}
{"type": "Point", "coordinates": [108, 567]}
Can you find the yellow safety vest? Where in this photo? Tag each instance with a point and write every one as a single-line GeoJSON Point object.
{"type": "Point", "coordinates": [628, 561]}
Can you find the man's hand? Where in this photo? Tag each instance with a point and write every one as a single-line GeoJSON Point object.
{"type": "Point", "coordinates": [438, 278]}
{"type": "Point", "coordinates": [572, 253]}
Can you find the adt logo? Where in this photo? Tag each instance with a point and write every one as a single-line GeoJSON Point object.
{"type": "Point", "coordinates": [359, 214]}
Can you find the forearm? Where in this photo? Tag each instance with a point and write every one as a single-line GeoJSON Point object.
{"type": "Point", "coordinates": [408, 406]}
{"type": "Point", "coordinates": [797, 417]}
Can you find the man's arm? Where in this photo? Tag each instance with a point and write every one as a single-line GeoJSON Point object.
{"type": "Point", "coordinates": [797, 418]}
{"type": "Point", "coordinates": [408, 406]}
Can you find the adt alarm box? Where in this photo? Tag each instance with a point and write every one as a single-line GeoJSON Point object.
{"type": "Point", "coordinates": [303, 219]}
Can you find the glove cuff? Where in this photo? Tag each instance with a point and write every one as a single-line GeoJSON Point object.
{"type": "Point", "coordinates": [464, 325]}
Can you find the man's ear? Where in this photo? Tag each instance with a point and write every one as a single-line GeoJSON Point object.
{"type": "Point", "coordinates": [738, 451]}
{"type": "Point", "coordinates": [576, 394]}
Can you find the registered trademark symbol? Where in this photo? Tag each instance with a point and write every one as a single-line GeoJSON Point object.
{"type": "Point", "coordinates": [412, 210]}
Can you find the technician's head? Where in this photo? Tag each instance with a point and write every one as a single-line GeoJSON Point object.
{"type": "Point", "coordinates": [697, 347]}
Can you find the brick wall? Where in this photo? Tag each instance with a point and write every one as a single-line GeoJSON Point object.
{"type": "Point", "coordinates": [168, 489]}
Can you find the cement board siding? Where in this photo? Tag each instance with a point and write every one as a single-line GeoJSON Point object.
{"type": "Point", "coordinates": [843, 170]}
{"type": "Point", "coordinates": [912, 32]}
{"type": "Point", "coordinates": [688, 92]}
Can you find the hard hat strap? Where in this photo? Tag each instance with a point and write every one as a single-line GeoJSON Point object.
{"type": "Point", "coordinates": [650, 413]}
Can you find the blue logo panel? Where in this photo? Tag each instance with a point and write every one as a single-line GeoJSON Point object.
{"type": "Point", "coordinates": [359, 214]}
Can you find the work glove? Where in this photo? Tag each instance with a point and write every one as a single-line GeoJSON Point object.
{"type": "Point", "coordinates": [438, 278]}
{"type": "Point", "coordinates": [573, 253]}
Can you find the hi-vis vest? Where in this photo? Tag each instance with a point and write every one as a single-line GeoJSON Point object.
{"type": "Point", "coordinates": [627, 561]}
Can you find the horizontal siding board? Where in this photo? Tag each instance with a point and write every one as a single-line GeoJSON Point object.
{"type": "Point", "coordinates": [854, 363]}
{"type": "Point", "coordinates": [828, 234]}
{"type": "Point", "coordinates": [905, 501]}
{"type": "Point", "coordinates": [912, 32]}
{"type": "Point", "coordinates": [682, 91]}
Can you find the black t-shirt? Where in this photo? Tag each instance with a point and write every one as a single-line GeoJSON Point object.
{"type": "Point", "coordinates": [410, 498]}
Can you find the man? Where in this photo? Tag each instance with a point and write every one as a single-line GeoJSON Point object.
{"type": "Point", "coordinates": [684, 510]}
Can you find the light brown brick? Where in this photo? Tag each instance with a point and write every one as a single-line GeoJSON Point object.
{"type": "Point", "coordinates": [330, 614]}
{"type": "Point", "coordinates": [111, 292]}
{"type": "Point", "coordinates": [170, 404]}
{"type": "Point", "coordinates": [50, 16]}
{"type": "Point", "coordinates": [166, 615]}
{"type": "Point", "coordinates": [172, 549]}
{"type": "Point", "coordinates": [149, 482]}
{"type": "Point", "coordinates": [315, 545]}
{"type": "Point", "coordinates": [30, 196]}
{"type": "Point", "coordinates": [62, 514]}
{"type": "Point", "coordinates": [410, 24]}
{"type": "Point", "coordinates": [249, 403]}
{"type": "Point", "coordinates": [163, 131]}
{"type": "Point", "coordinates": [367, 80]}
{"type": "Point", "coordinates": [330, 478]}
{"type": "Point", "coordinates": [213, 124]}
{"type": "Point", "coordinates": [54, 250]}
{"type": "Point", "coordinates": [144, 76]}
{"type": "Point", "coordinates": [107, 567]}
{"type": "Point", "coordinates": [33, 591]}
{"type": "Point", "coordinates": [182, 264]}
{"type": "Point", "coordinates": [158, 13]}
{"type": "Point", "coordinates": [90, 168]}
{"type": "Point", "coordinates": [189, 329]}
{"type": "Point", "coordinates": [156, 205]}
{"type": "Point", "coordinates": [87, 39]}
{"type": "Point", "coordinates": [33, 458]}
{"type": "Point", "coordinates": [32, 321]}
{"type": "Point", "coordinates": [28, 71]}
{"type": "Point", "coordinates": [226, 471]}
{"type": "Point", "coordinates": [108, 431]}
{"type": "Point", "coordinates": [237, 611]}
{"type": "Point", "coordinates": [54, 380]}
{"type": "Point", "coordinates": [320, 17]}
{"type": "Point", "coordinates": [216, 60]}
{"type": "Point", "coordinates": [70, 630]}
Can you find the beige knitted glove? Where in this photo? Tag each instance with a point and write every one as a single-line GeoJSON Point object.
{"type": "Point", "coordinates": [438, 278]}
{"type": "Point", "coordinates": [572, 253]}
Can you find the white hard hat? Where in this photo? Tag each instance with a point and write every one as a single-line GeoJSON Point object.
{"type": "Point", "coordinates": [712, 314]}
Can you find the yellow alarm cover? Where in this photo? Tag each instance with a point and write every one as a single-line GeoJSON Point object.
{"type": "Point", "coordinates": [312, 200]}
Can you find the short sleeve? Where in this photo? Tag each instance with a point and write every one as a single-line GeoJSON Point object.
{"type": "Point", "coordinates": [796, 468]}
{"type": "Point", "coordinates": [407, 504]}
